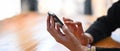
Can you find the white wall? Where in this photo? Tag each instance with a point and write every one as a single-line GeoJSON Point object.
{"type": "Point", "coordinates": [9, 8]}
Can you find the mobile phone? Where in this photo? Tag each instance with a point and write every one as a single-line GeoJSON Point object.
{"type": "Point", "coordinates": [56, 19]}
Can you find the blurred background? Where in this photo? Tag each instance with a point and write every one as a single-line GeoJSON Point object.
{"type": "Point", "coordinates": [85, 11]}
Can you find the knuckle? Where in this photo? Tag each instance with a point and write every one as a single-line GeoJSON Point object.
{"type": "Point", "coordinates": [79, 22]}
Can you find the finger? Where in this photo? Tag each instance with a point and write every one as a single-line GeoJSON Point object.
{"type": "Point", "coordinates": [67, 19]}
{"type": "Point", "coordinates": [74, 29]}
{"type": "Point", "coordinates": [79, 27]}
{"type": "Point", "coordinates": [67, 31]}
{"type": "Point", "coordinates": [79, 30]}
{"type": "Point", "coordinates": [70, 35]}
{"type": "Point", "coordinates": [48, 21]}
{"type": "Point", "coordinates": [58, 28]}
{"type": "Point", "coordinates": [52, 30]}
{"type": "Point", "coordinates": [52, 22]}
{"type": "Point", "coordinates": [71, 26]}
{"type": "Point", "coordinates": [55, 34]}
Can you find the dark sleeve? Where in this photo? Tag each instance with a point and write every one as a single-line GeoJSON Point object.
{"type": "Point", "coordinates": [107, 49]}
{"type": "Point", "coordinates": [104, 25]}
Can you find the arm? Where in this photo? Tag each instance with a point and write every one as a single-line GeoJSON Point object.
{"type": "Point", "coordinates": [71, 36]}
{"type": "Point", "coordinates": [104, 25]}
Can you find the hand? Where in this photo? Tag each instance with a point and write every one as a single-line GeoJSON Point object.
{"type": "Point", "coordinates": [77, 30]}
{"type": "Point", "coordinates": [66, 37]}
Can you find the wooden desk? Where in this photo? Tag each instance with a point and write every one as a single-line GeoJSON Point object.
{"type": "Point", "coordinates": [107, 43]}
{"type": "Point", "coordinates": [21, 25]}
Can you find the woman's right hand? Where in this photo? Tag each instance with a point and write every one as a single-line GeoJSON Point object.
{"type": "Point", "coordinates": [77, 30]}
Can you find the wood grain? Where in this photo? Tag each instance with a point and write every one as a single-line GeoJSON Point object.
{"type": "Point", "coordinates": [107, 43]}
{"type": "Point", "coordinates": [21, 25]}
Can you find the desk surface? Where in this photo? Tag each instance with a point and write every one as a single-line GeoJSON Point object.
{"type": "Point", "coordinates": [107, 43]}
{"type": "Point", "coordinates": [22, 25]}
{"type": "Point", "coordinates": [27, 32]}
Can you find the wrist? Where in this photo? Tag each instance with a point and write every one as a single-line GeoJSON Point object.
{"type": "Point", "coordinates": [90, 37]}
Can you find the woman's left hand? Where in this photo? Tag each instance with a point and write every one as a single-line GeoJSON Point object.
{"type": "Point", "coordinates": [67, 38]}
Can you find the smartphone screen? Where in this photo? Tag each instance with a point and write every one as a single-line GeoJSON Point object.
{"type": "Point", "coordinates": [57, 20]}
